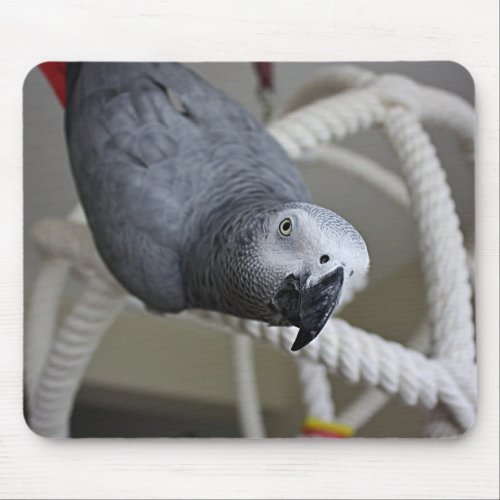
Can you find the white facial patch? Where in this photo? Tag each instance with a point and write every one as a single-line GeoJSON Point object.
{"type": "Point", "coordinates": [320, 241]}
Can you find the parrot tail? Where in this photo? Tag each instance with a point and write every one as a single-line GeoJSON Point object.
{"type": "Point", "coordinates": [55, 72]}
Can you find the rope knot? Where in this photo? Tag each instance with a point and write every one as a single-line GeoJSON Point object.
{"type": "Point", "coordinates": [399, 90]}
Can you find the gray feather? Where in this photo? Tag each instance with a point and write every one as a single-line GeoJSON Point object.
{"type": "Point", "coordinates": [170, 196]}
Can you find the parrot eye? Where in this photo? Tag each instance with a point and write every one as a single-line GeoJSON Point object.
{"type": "Point", "coordinates": [286, 227]}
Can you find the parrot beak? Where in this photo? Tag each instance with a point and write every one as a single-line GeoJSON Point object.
{"type": "Point", "coordinates": [317, 304]}
{"type": "Point", "coordinates": [309, 308]}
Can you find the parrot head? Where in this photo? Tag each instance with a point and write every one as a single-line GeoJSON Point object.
{"type": "Point", "coordinates": [317, 258]}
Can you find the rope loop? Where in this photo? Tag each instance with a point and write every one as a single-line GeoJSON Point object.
{"type": "Point", "coordinates": [397, 90]}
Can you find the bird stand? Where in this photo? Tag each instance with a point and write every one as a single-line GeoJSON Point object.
{"type": "Point", "coordinates": [340, 101]}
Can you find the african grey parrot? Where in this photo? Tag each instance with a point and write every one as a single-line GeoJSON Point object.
{"type": "Point", "coordinates": [192, 204]}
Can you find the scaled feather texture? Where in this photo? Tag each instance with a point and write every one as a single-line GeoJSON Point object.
{"type": "Point", "coordinates": [189, 198]}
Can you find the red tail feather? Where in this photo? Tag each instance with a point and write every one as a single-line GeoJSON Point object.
{"type": "Point", "coordinates": [55, 72]}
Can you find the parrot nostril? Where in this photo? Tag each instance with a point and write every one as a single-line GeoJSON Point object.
{"type": "Point", "coordinates": [324, 259]}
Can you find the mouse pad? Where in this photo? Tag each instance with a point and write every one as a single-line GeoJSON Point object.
{"type": "Point", "coordinates": [249, 249]}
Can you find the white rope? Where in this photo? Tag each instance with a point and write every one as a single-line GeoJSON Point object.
{"type": "Point", "coordinates": [430, 106]}
{"type": "Point", "coordinates": [247, 393]}
{"type": "Point", "coordinates": [316, 390]}
{"type": "Point", "coordinates": [327, 119]}
{"type": "Point", "coordinates": [42, 311]}
{"type": "Point", "coordinates": [363, 357]}
{"type": "Point", "coordinates": [78, 337]}
{"type": "Point", "coordinates": [443, 254]}
{"type": "Point", "coordinates": [328, 81]}
{"type": "Point", "coordinates": [372, 400]}
{"type": "Point", "coordinates": [77, 245]}
{"type": "Point", "coordinates": [433, 106]}
{"type": "Point", "coordinates": [41, 320]}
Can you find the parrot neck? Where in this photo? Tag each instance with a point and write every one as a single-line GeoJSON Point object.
{"type": "Point", "coordinates": [229, 275]}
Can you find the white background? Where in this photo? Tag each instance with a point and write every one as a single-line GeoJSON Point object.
{"type": "Point", "coordinates": [30, 32]}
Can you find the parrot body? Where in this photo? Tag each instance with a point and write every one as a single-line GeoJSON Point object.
{"type": "Point", "coordinates": [192, 204]}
